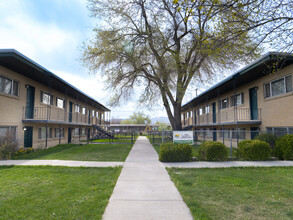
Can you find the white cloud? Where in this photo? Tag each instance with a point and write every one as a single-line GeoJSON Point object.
{"type": "Point", "coordinates": [32, 37]}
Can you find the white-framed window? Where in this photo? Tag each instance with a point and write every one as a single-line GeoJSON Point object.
{"type": "Point", "coordinates": [76, 132]}
{"type": "Point", "coordinates": [280, 131]}
{"type": "Point", "coordinates": [224, 103]}
{"type": "Point", "coordinates": [60, 103]}
{"type": "Point", "coordinates": [77, 108]}
{"type": "Point", "coordinates": [8, 86]}
{"type": "Point", "coordinates": [237, 100]}
{"type": "Point", "coordinates": [240, 133]}
{"type": "Point", "coordinates": [93, 113]}
{"type": "Point", "coordinates": [83, 131]}
{"type": "Point", "coordinates": [42, 133]}
{"type": "Point", "coordinates": [191, 114]}
{"type": "Point", "coordinates": [46, 98]}
{"type": "Point", "coordinates": [97, 114]}
{"type": "Point", "coordinates": [200, 111]}
{"type": "Point", "coordinates": [59, 132]}
{"type": "Point", "coordinates": [207, 109]}
{"type": "Point", "coordinates": [224, 133]}
{"type": "Point", "coordinates": [7, 129]}
{"type": "Point", "coordinates": [278, 87]}
{"type": "Point", "coordinates": [83, 110]}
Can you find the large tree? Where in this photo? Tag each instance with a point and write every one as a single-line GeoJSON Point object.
{"type": "Point", "coordinates": [162, 46]}
{"type": "Point", "coordinates": [137, 118]}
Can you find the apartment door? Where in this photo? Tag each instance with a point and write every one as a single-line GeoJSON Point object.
{"type": "Point", "coordinates": [69, 135]}
{"type": "Point", "coordinates": [70, 112]}
{"type": "Point", "coordinates": [30, 102]}
{"type": "Point", "coordinates": [253, 103]}
{"type": "Point", "coordinates": [214, 134]}
{"type": "Point", "coordinates": [28, 136]}
{"type": "Point", "coordinates": [194, 113]}
{"type": "Point", "coordinates": [214, 113]}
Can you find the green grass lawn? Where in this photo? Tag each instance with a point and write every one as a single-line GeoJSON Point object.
{"type": "Point", "coordinates": [114, 140]}
{"type": "Point", "coordinates": [236, 193]}
{"type": "Point", "coordinates": [88, 152]}
{"type": "Point", "coordinates": [45, 192]}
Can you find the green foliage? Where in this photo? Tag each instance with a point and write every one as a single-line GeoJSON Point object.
{"type": "Point", "coordinates": [253, 150]}
{"type": "Point", "coordinates": [284, 147]}
{"type": "Point", "coordinates": [136, 50]}
{"type": "Point", "coordinates": [213, 151]}
{"type": "Point", "coordinates": [171, 152]}
{"type": "Point", "coordinates": [8, 145]}
{"type": "Point", "coordinates": [137, 118]}
{"type": "Point", "coordinates": [267, 137]}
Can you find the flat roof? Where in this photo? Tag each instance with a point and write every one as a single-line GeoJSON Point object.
{"type": "Point", "coordinates": [16, 61]}
{"type": "Point", "coordinates": [253, 71]}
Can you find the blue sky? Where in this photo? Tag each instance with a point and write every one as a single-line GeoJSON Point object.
{"type": "Point", "coordinates": [52, 33]}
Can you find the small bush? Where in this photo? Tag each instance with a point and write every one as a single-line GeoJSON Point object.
{"type": "Point", "coordinates": [253, 150]}
{"type": "Point", "coordinates": [284, 147]}
{"type": "Point", "coordinates": [267, 137]}
{"type": "Point", "coordinates": [171, 152]}
{"type": "Point", "coordinates": [8, 145]}
{"type": "Point", "coordinates": [212, 151]}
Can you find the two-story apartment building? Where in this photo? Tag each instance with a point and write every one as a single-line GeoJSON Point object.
{"type": "Point", "coordinates": [257, 98]}
{"type": "Point", "coordinates": [40, 108]}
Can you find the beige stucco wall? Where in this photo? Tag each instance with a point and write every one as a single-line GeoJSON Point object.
{"type": "Point", "coordinates": [11, 109]}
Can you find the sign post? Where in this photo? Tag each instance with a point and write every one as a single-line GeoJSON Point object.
{"type": "Point", "coordinates": [183, 137]}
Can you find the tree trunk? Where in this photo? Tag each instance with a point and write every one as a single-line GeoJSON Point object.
{"type": "Point", "coordinates": [176, 125]}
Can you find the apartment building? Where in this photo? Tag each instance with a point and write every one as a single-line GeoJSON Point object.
{"type": "Point", "coordinates": [257, 98]}
{"type": "Point", "coordinates": [41, 109]}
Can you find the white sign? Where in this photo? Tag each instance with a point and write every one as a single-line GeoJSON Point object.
{"type": "Point", "coordinates": [183, 137]}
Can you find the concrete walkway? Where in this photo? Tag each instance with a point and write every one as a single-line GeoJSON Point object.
{"type": "Point", "coordinates": [68, 163]}
{"type": "Point", "coordinates": [144, 189]}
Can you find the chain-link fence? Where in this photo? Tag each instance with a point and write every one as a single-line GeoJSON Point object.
{"type": "Point", "coordinates": [230, 137]}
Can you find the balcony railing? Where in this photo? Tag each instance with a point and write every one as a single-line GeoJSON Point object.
{"type": "Point", "coordinates": [60, 115]}
{"type": "Point", "coordinates": [225, 115]}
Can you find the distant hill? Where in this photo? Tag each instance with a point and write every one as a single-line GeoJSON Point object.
{"type": "Point", "coordinates": [160, 119]}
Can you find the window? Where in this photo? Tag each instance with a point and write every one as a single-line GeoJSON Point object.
{"type": "Point", "coordinates": [77, 108]}
{"type": "Point", "coordinates": [187, 114]}
{"type": "Point", "coordinates": [237, 100]}
{"type": "Point", "coordinates": [76, 132]}
{"type": "Point", "coordinates": [278, 87]}
{"type": "Point", "coordinates": [224, 103]}
{"type": "Point", "coordinates": [280, 131]}
{"type": "Point", "coordinates": [46, 98]}
{"type": "Point", "coordinates": [8, 86]}
{"type": "Point", "coordinates": [240, 133]}
{"type": "Point", "coordinates": [207, 109]}
{"type": "Point", "coordinates": [190, 114]}
{"type": "Point", "coordinates": [93, 113]}
{"type": "Point", "coordinates": [60, 103]}
{"type": "Point", "coordinates": [83, 131]}
{"type": "Point", "coordinates": [42, 132]}
{"type": "Point", "coordinates": [59, 132]}
{"type": "Point", "coordinates": [225, 133]}
{"type": "Point", "coordinates": [201, 111]}
{"type": "Point", "coordinates": [83, 110]}
{"type": "Point", "coordinates": [7, 129]}
{"type": "Point", "coordinates": [97, 114]}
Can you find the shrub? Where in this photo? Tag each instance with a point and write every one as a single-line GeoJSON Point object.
{"type": "Point", "coordinates": [267, 137]}
{"type": "Point", "coordinates": [212, 151]}
{"type": "Point", "coordinates": [284, 147]}
{"type": "Point", "coordinates": [8, 145]}
{"type": "Point", "coordinates": [170, 152]}
{"type": "Point", "coordinates": [253, 150]}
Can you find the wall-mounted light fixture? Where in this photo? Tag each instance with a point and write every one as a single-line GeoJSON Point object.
{"type": "Point", "coordinates": [24, 128]}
